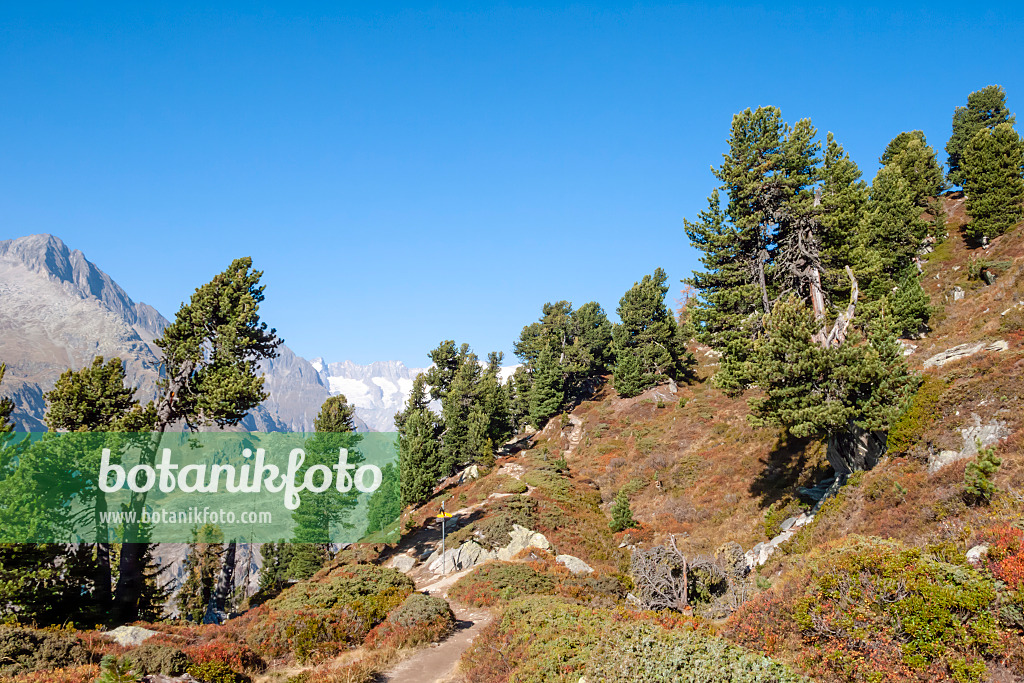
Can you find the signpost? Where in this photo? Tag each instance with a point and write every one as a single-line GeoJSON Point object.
{"type": "Point", "coordinates": [443, 516]}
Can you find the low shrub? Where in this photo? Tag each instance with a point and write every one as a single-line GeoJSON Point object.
{"type": "Point", "coordinates": [238, 656]}
{"type": "Point", "coordinates": [150, 658]}
{"type": "Point", "coordinates": [216, 672]}
{"type": "Point", "coordinates": [911, 424]}
{"type": "Point", "coordinates": [877, 606]}
{"type": "Point", "coordinates": [420, 619]}
{"type": "Point", "coordinates": [546, 639]}
{"type": "Point", "coordinates": [25, 649]}
{"type": "Point", "coordinates": [500, 581]}
{"type": "Point", "coordinates": [84, 673]}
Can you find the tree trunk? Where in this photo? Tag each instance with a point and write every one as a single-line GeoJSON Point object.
{"type": "Point", "coordinates": [101, 574]}
{"type": "Point", "coordinates": [854, 449]}
{"type": "Point", "coordinates": [226, 581]}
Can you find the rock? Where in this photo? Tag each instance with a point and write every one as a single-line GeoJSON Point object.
{"type": "Point", "coordinates": [403, 563]}
{"type": "Point", "coordinates": [975, 554]}
{"type": "Point", "coordinates": [964, 351]}
{"type": "Point", "coordinates": [958, 293]}
{"type": "Point", "coordinates": [908, 347]}
{"type": "Point", "coordinates": [522, 538]}
{"type": "Point", "coordinates": [467, 555]}
{"type": "Point", "coordinates": [130, 636]}
{"type": "Point", "coordinates": [786, 525]}
{"type": "Point", "coordinates": [574, 564]}
{"type": "Point", "coordinates": [986, 434]}
{"type": "Point", "coordinates": [472, 472]}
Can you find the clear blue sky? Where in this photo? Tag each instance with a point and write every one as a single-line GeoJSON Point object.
{"type": "Point", "coordinates": [407, 174]}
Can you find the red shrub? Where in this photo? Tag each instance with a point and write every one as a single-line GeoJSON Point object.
{"type": "Point", "coordinates": [238, 656]}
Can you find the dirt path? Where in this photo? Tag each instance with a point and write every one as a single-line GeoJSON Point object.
{"type": "Point", "coordinates": [434, 664]}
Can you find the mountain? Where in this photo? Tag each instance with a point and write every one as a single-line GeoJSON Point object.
{"type": "Point", "coordinates": [378, 390]}
{"type": "Point", "coordinates": [58, 311]}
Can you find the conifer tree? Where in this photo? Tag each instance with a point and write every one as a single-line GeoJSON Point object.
{"type": "Point", "coordinates": [844, 199]}
{"type": "Point", "coordinates": [547, 396]}
{"type": "Point", "coordinates": [985, 108]}
{"type": "Point", "coordinates": [622, 515]}
{"type": "Point", "coordinates": [910, 154]}
{"type": "Point", "coordinates": [210, 354]}
{"type": "Point", "coordinates": [419, 447]}
{"type": "Point", "coordinates": [993, 178]}
{"type": "Point", "coordinates": [629, 377]}
{"type": "Point", "coordinates": [385, 505]}
{"type": "Point", "coordinates": [649, 330]}
{"type": "Point", "coordinates": [202, 566]}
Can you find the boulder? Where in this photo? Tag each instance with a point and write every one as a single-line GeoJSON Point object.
{"type": "Point", "coordinates": [964, 351]}
{"type": "Point", "coordinates": [403, 563]}
{"type": "Point", "coordinates": [975, 554]}
{"type": "Point", "coordinates": [985, 434]}
{"type": "Point", "coordinates": [522, 538]}
{"type": "Point", "coordinates": [574, 564]}
{"type": "Point", "coordinates": [130, 636]}
{"type": "Point", "coordinates": [467, 555]}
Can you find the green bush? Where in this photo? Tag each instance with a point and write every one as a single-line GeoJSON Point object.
{"type": "Point", "coordinates": [420, 608]}
{"type": "Point", "coordinates": [27, 649]}
{"type": "Point", "coordinates": [910, 426]}
{"type": "Point", "coordinates": [542, 639]}
{"type": "Point", "coordinates": [346, 585]}
{"type": "Point", "coordinates": [500, 581]}
{"type": "Point", "coordinates": [978, 485]}
{"type": "Point", "coordinates": [872, 591]}
{"type": "Point", "coordinates": [115, 670]}
{"type": "Point", "coordinates": [216, 672]}
{"type": "Point", "coordinates": [151, 658]}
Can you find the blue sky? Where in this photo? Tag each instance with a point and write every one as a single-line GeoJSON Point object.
{"type": "Point", "coordinates": [410, 173]}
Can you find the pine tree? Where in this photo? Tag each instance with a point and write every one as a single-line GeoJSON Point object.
{"type": "Point", "coordinates": [622, 515]}
{"type": "Point", "coordinates": [210, 355]}
{"type": "Point", "coordinates": [844, 199]}
{"type": "Point", "coordinates": [629, 377]}
{"type": "Point", "coordinates": [978, 485]}
{"type": "Point", "coordinates": [993, 177]}
{"type": "Point", "coordinates": [419, 446]}
{"type": "Point", "coordinates": [319, 513]}
{"type": "Point", "coordinates": [95, 399]}
{"type": "Point", "coordinates": [307, 559]}
{"type": "Point", "coordinates": [202, 566]}
{"type": "Point", "coordinates": [274, 572]}
{"type": "Point", "coordinates": [547, 396]}
{"type": "Point", "coordinates": [385, 505]}
{"type": "Point", "coordinates": [985, 108]}
{"type": "Point", "coordinates": [649, 330]}
{"type": "Point", "coordinates": [890, 235]}
{"type": "Point", "coordinates": [910, 154]}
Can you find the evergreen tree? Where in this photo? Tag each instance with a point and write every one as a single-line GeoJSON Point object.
{"type": "Point", "coordinates": [844, 199]}
{"type": "Point", "coordinates": [210, 355]}
{"type": "Point", "coordinates": [622, 515]}
{"type": "Point", "coordinates": [385, 505]}
{"type": "Point", "coordinates": [578, 341]}
{"type": "Point", "coordinates": [909, 304]}
{"type": "Point", "coordinates": [95, 399]}
{"type": "Point", "coordinates": [890, 235]}
{"type": "Point", "coordinates": [319, 513]}
{"type": "Point", "coordinates": [993, 177]}
{"type": "Point", "coordinates": [629, 376]}
{"type": "Point", "coordinates": [519, 388]}
{"type": "Point", "coordinates": [547, 396]}
{"type": "Point", "coordinates": [910, 154]}
{"type": "Point", "coordinates": [274, 573]}
{"type": "Point", "coordinates": [978, 485]}
{"type": "Point", "coordinates": [649, 330]}
{"type": "Point", "coordinates": [202, 567]}
{"type": "Point", "coordinates": [419, 446]}
{"type": "Point", "coordinates": [985, 108]}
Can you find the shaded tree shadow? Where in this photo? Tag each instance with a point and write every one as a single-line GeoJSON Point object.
{"type": "Point", "coordinates": [787, 466]}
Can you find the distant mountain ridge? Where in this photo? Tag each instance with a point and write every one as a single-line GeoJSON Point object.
{"type": "Point", "coordinates": [58, 310]}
